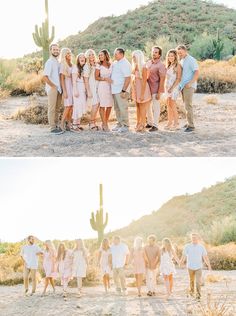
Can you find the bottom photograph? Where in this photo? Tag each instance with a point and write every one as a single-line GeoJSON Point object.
{"type": "Point", "coordinates": [118, 236]}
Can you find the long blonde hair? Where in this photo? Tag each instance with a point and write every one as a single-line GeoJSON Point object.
{"type": "Point", "coordinates": [63, 61]}
{"type": "Point", "coordinates": [167, 246]}
{"type": "Point", "coordinates": [176, 62]}
{"type": "Point", "coordinates": [87, 54]}
{"type": "Point", "coordinates": [140, 61]}
{"type": "Point", "coordinates": [50, 246]}
{"type": "Point", "coordinates": [80, 242]}
{"type": "Point", "coordinates": [138, 243]}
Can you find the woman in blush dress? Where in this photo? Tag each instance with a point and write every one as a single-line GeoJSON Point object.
{"type": "Point", "coordinates": [64, 260]}
{"type": "Point", "coordinates": [49, 265]}
{"type": "Point", "coordinates": [140, 89]}
{"type": "Point", "coordinates": [103, 76]}
{"type": "Point", "coordinates": [79, 91]}
{"type": "Point", "coordinates": [167, 267]}
{"type": "Point", "coordinates": [173, 78]}
{"type": "Point", "coordinates": [80, 263]}
{"type": "Point", "coordinates": [138, 258]}
{"type": "Point", "coordinates": [67, 89]}
{"type": "Point", "coordinates": [91, 86]}
{"type": "Point", "coordinates": [104, 264]}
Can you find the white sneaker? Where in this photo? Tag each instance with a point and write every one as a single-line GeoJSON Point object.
{"type": "Point", "coordinates": [116, 128]}
{"type": "Point", "coordinates": [123, 129]}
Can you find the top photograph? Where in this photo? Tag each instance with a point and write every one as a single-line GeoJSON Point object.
{"type": "Point", "coordinates": [135, 78]}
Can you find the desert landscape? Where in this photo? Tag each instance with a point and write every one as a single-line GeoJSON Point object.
{"type": "Point", "coordinates": [215, 134]}
{"type": "Point", "coordinates": [219, 293]}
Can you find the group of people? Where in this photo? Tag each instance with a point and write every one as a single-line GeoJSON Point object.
{"type": "Point", "coordinates": [99, 84]}
{"type": "Point", "coordinates": [146, 261]}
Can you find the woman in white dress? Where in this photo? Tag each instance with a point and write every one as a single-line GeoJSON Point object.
{"type": "Point", "coordinates": [167, 267]}
{"type": "Point", "coordinates": [79, 92]}
{"type": "Point", "coordinates": [173, 78]}
{"type": "Point", "coordinates": [91, 86]}
{"type": "Point", "coordinates": [103, 77]}
{"type": "Point", "coordinates": [80, 263]}
{"type": "Point", "coordinates": [104, 263]}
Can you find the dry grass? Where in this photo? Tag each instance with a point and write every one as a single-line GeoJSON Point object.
{"type": "Point", "coordinates": [4, 94]}
{"type": "Point", "coordinates": [215, 307]}
{"type": "Point", "coordinates": [211, 99]}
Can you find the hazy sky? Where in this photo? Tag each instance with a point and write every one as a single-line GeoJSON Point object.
{"type": "Point", "coordinates": [53, 198]}
{"type": "Point", "coordinates": [17, 19]}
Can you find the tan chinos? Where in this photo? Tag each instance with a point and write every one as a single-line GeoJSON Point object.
{"type": "Point", "coordinates": [188, 102]}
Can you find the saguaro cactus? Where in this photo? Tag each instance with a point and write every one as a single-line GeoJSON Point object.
{"type": "Point", "coordinates": [97, 221]}
{"type": "Point", "coordinates": [41, 35]}
{"type": "Point", "coordinates": [218, 46]}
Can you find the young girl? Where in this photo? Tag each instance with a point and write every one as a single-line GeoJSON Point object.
{"type": "Point", "coordinates": [173, 78]}
{"type": "Point", "coordinates": [67, 89]}
{"type": "Point", "coordinates": [103, 76]}
{"type": "Point", "coordinates": [140, 88]}
{"type": "Point", "coordinates": [80, 263]}
{"type": "Point", "coordinates": [79, 92]}
{"type": "Point", "coordinates": [64, 259]}
{"type": "Point", "coordinates": [167, 267]}
{"type": "Point", "coordinates": [103, 260]}
{"type": "Point", "coordinates": [49, 265]}
{"type": "Point", "coordinates": [139, 260]}
{"type": "Point", "coordinates": [91, 86]}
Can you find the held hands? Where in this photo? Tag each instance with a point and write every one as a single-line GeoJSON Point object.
{"type": "Point", "coordinates": [109, 80]}
{"type": "Point", "coordinates": [188, 85]}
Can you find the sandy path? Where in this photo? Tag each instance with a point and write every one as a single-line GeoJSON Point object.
{"type": "Point", "coordinates": [95, 303]}
{"type": "Point", "coordinates": [215, 135]}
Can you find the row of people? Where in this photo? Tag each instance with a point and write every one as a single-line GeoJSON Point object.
{"type": "Point", "coordinates": [99, 83]}
{"type": "Point", "coordinates": [145, 260]}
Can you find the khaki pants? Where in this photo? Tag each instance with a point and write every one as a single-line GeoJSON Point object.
{"type": "Point", "coordinates": [195, 274]}
{"type": "Point", "coordinates": [151, 280]}
{"type": "Point", "coordinates": [121, 108]}
{"type": "Point", "coordinates": [154, 111]}
{"type": "Point", "coordinates": [33, 273]}
{"type": "Point", "coordinates": [188, 102]}
{"type": "Point", "coordinates": [119, 279]}
{"type": "Point", "coordinates": [54, 104]}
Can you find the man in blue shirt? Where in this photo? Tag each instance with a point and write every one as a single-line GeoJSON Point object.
{"type": "Point", "coordinates": [188, 84]}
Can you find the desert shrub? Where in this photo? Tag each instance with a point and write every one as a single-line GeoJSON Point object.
{"type": "Point", "coordinates": [222, 232]}
{"type": "Point", "coordinates": [211, 99]}
{"type": "Point", "coordinates": [223, 257]}
{"type": "Point", "coordinates": [217, 77]}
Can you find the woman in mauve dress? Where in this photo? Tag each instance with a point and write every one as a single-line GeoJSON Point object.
{"type": "Point", "coordinates": [64, 260]}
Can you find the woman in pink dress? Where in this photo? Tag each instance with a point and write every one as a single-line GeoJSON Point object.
{"type": "Point", "coordinates": [67, 89]}
{"type": "Point", "coordinates": [103, 76]}
{"type": "Point", "coordinates": [104, 264]}
{"type": "Point", "coordinates": [138, 258]}
{"type": "Point", "coordinates": [140, 89]}
{"type": "Point", "coordinates": [79, 91]}
{"type": "Point", "coordinates": [49, 265]}
{"type": "Point", "coordinates": [64, 260]}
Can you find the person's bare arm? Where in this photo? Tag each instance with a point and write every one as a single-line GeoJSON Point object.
{"type": "Point", "coordinates": [144, 83]}
{"type": "Point", "coordinates": [74, 80]}
{"type": "Point", "coordinates": [195, 78]}
{"type": "Point", "coordinates": [161, 88]}
{"type": "Point", "coordinates": [182, 260]}
{"type": "Point", "coordinates": [127, 83]}
{"type": "Point", "coordinates": [87, 87]}
{"type": "Point", "coordinates": [178, 78]}
{"type": "Point", "coordinates": [62, 81]}
{"type": "Point", "coordinates": [176, 257]}
{"type": "Point", "coordinates": [127, 259]}
{"type": "Point", "coordinates": [207, 262]}
{"type": "Point", "coordinates": [49, 82]}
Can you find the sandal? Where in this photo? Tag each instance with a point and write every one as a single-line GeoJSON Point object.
{"type": "Point", "coordinates": [75, 128]}
{"type": "Point", "coordinates": [93, 128]}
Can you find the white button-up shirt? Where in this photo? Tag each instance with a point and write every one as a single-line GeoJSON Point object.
{"type": "Point", "coordinates": [29, 253]}
{"type": "Point", "coordinates": [52, 71]}
{"type": "Point", "coordinates": [119, 253]}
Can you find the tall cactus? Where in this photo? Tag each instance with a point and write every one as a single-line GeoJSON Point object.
{"type": "Point", "coordinates": [41, 35]}
{"type": "Point", "coordinates": [97, 221]}
{"type": "Point", "coordinates": [218, 46]}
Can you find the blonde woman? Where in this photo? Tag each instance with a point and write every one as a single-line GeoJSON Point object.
{"type": "Point", "coordinates": [91, 86]}
{"type": "Point", "coordinates": [80, 263]}
{"type": "Point", "coordinates": [141, 90]}
{"type": "Point", "coordinates": [79, 91]}
{"type": "Point", "coordinates": [67, 89]}
{"type": "Point", "coordinates": [173, 78]}
{"type": "Point", "coordinates": [167, 267]}
{"type": "Point", "coordinates": [104, 264]}
{"type": "Point", "coordinates": [139, 259]}
{"type": "Point", "coordinates": [64, 260]}
{"type": "Point", "coordinates": [49, 265]}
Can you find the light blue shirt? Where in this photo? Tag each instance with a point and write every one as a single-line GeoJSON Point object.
{"type": "Point", "coordinates": [194, 254]}
{"type": "Point", "coordinates": [189, 65]}
{"type": "Point", "coordinates": [120, 70]}
{"type": "Point", "coordinates": [52, 71]}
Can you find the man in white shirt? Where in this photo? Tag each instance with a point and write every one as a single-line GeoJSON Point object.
{"type": "Point", "coordinates": [121, 77]}
{"type": "Point", "coordinates": [29, 254]}
{"type": "Point", "coordinates": [53, 89]}
{"type": "Point", "coordinates": [195, 253]}
{"type": "Point", "coordinates": [119, 259]}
